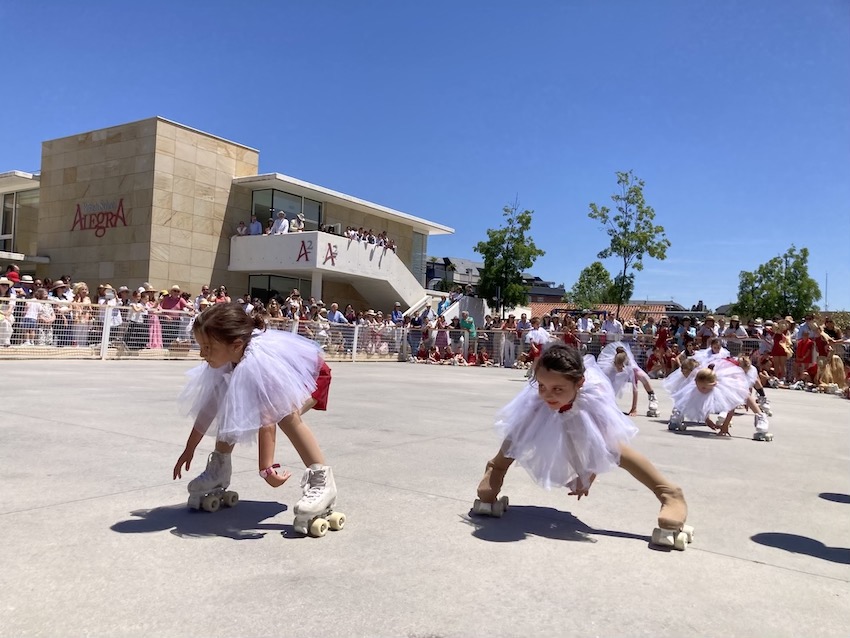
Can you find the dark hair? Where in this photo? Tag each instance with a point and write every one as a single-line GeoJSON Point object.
{"type": "Point", "coordinates": [227, 322]}
{"type": "Point", "coordinates": [561, 358]}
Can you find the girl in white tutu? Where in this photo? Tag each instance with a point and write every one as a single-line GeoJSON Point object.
{"type": "Point", "coordinates": [253, 381]}
{"type": "Point", "coordinates": [721, 387]}
{"type": "Point", "coordinates": [677, 380]}
{"type": "Point", "coordinates": [713, 353]}
{"type": "Point", "coordinates": [564, 428]}
{"type": "Point", "coordinates": [755, 383]}
{"type": "Point", "coordinates": [618, 363]}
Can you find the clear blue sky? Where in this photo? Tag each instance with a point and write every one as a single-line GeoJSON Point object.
{"type": "Point", "coordinates": [736, 114]}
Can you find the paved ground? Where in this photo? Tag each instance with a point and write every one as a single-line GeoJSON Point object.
{"type": "Point", "coordinates": [97, 541]}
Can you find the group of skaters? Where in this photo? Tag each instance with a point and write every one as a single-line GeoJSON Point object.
{"type": "Point", "coordinates": [564, 428]}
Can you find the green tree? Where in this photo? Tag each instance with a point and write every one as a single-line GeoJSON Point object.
{"type": "Point", "coordinates": [507, 253]}
{"type": "Point", "coordinates": [594, 283]}
{"type": "Point", "coordinates": [778, 288]}
{"type": "Point", "coordinates": [620, 290]}
{"type": "Point", "coordinates": [632, 231]}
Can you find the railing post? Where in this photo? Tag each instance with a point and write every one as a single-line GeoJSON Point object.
{"type": "Point", "coordinates": [354, 343]}
{"type": "Point", "coordinates": [104, 334]}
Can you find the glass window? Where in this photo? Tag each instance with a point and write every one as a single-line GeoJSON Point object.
{"type": "Point", "coordinates": [289, 204]}
{"type": "Point", "coordinates": [7, 222]}
{"type": "Point", "coordinates": [266, 286]}
{"type": "Point", "coordinates": [312, 214]}
{"type": "Point", "coordinates": [417, 258]}
{"type": "Point", "coordinates": [262, 205]}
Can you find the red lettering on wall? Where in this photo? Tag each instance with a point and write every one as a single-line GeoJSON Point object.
{"type": "Point", "coordinates": [304, 252]}
{"type": "Point", "coordinates": [99, 217]}
{"type": "Point", "coordinates": [330, 255]}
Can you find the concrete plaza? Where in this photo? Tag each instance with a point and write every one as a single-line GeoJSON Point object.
{"type": "Point", "coordinates": [97, 539]}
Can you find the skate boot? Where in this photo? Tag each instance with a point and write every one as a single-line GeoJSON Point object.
{"type": "Point", "coordinates": [677, 421]}
{"type": "Point", "coordinates": [314, 513]}
{"type": "Point", "coordinates": [762, 425]}
{"type": "Point", "coordinates": [671, 531]}
{"type": "Point", "coordinates": [764, 404]}
{"type": "Point", "coordinates": [488, 488]}
{"type": "Point", "coordinates": [208, 491]}
{"type": "Point", "coordinates": [652, 411]}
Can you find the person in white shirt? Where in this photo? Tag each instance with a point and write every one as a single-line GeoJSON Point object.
{"type": "Point", "coordinates": [280, 226]}
{"type": "Point", "coordinates": [613, 327]}
{"type": "Point", "coordinates": [335, 316]}
{"type": "Point", "coordinates": [707, 332]}
{"type": "Point", "coordinates": [585, 323]}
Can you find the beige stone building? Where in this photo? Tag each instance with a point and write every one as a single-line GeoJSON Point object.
{"type": "Point", "coordinates": [156, 201]}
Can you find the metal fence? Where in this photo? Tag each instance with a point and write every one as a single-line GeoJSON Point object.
{"type": "Point", "coordinates": [32, 328]}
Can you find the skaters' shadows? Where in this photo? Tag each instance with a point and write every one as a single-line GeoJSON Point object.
{"type": "Point", "coordinates": [803, 545]}
{"type": "Point", "coordinates": [242, 522]}
{"type": "Point", "coordinates": [522, 521]}
{"type": "Point", "coordinates": [835, 498]}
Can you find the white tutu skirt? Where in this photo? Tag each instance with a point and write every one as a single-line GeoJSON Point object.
{"type": "Point", "coordinates": [631, 370]}
{"type": "Point", "coordinates": [731, 390]}
{"type": "Point", "coordinates": [752, 375]}
{"type": "Point", "coordinates": [707, 356]}
{"type": "Point", "coordinates": [556, 448]}
{"type": "Point", "coordinates": [276, 375]}
{"type": "Point", "coordinates": [676, 380]}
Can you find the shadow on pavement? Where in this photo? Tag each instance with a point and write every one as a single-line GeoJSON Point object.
{"type": "Point", "coordinates": [522, 521]}
{"type": "Point", "coordinates": [803, 545]}
{"type": "Point", "coordinates": [242, 522]}
{"type": "Point", "coordinates": [835, 498]}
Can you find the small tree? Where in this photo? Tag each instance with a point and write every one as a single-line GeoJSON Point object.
{"type": "Point", "coordinates": [507, 253]}
{"type": "Point", "coordinates": [778, 288]}
{"type": "Point", "coordinates": [620, 290]}
{"type": "Point", "coordinates": [632, 231]}
{"type": "Point", "coordinates": [594, 282]}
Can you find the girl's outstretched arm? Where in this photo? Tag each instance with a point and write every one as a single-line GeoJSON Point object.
{"type": "Point", "coordinates": [268, 468]}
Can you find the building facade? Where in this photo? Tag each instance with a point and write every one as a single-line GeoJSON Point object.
{"type": "Point", "coordinates": [156, 201]}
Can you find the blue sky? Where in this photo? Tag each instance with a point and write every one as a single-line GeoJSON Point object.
{"type": "Point", "coordinates": [736, 114]}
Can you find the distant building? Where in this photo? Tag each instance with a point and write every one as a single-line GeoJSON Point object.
{"type": "Point", "coordinates": [462, 272]}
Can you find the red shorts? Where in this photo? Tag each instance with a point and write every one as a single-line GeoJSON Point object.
{"type": "Point", "coordinates": [323, 385]}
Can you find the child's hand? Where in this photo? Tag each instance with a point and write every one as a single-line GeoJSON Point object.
{"type": "Point", "coordinates": [276, 480]}
{"type": "Point", "coordinates": [185, 459]}
{"type": "Point", "coordinates": [578, 489]}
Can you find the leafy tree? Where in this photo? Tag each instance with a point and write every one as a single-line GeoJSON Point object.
{"type": "Point", "coordinates": [507, 253]}
{"type": "Point", "coordinates": [594, 282]}
{"type": "Point", "coordinates": [620, 291]}
{"type": "Point", "coordinates": [778, 288]}
{"type": "Point", "coordinates": [632, 231]}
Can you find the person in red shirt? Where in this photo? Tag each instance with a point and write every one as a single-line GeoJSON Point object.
{"type": "Point", "coordinates": [172, 308]}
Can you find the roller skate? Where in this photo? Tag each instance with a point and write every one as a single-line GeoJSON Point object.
{"type": "Point", "coordinates": [652, 411]}
{"type": "Point", "coordinates": [314, 514]}
{"type": "Point", "coordinates": [761, 433]}
{"type": "Point", "coordinates": [487, 503]}
{"type": "Point", "coordinates": [208, 491]}
{"type": "Point", "coordinates": [764, 404]}
{"type": "Point", "coordinates": [677, 421]}
{"type": "Point", "coordinates": [671, 530]}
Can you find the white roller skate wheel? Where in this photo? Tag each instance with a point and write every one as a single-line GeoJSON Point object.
{"type": "Point", "coordinates": [663, 537]}
{"type": "Point", "coordinates": [211, 503]}
{"type": "Point", "coordinates": [505, 502]}
{"type": "Point", "coordinates": [681, 542]}
{"type": "Point", "coordinates": [231, 499]}
{"type": "Point", "coordinates": [318, 528]}
{"type": "Point", "coordinates": [689, 532]}
{"type": "Point", "coordinates": [336, 521]}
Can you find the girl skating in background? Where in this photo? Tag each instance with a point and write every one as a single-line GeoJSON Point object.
{"type": "Point", "coordinates": [254, 380]}
{"type": "Point", "coordinates": [720, 388]}
{"type": "Point", "coordinates": [564, 428]}
{"type": "Point", "coordinates": [618, 364]}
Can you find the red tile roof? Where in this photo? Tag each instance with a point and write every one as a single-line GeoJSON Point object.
{"type": "Point", "coordinates": [538, 309]}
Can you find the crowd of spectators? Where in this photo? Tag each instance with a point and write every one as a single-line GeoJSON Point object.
{"type": "Point", "coordinates": [812, 353]}
{"type": "Point", "coordinates": [279, 224]}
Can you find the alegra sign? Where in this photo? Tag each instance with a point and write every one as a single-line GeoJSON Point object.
{"type": "Point", "coordinates": [99, 216]}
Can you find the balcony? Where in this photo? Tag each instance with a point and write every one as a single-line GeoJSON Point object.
{"type": "Point", "coordinates": [376, 273]}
